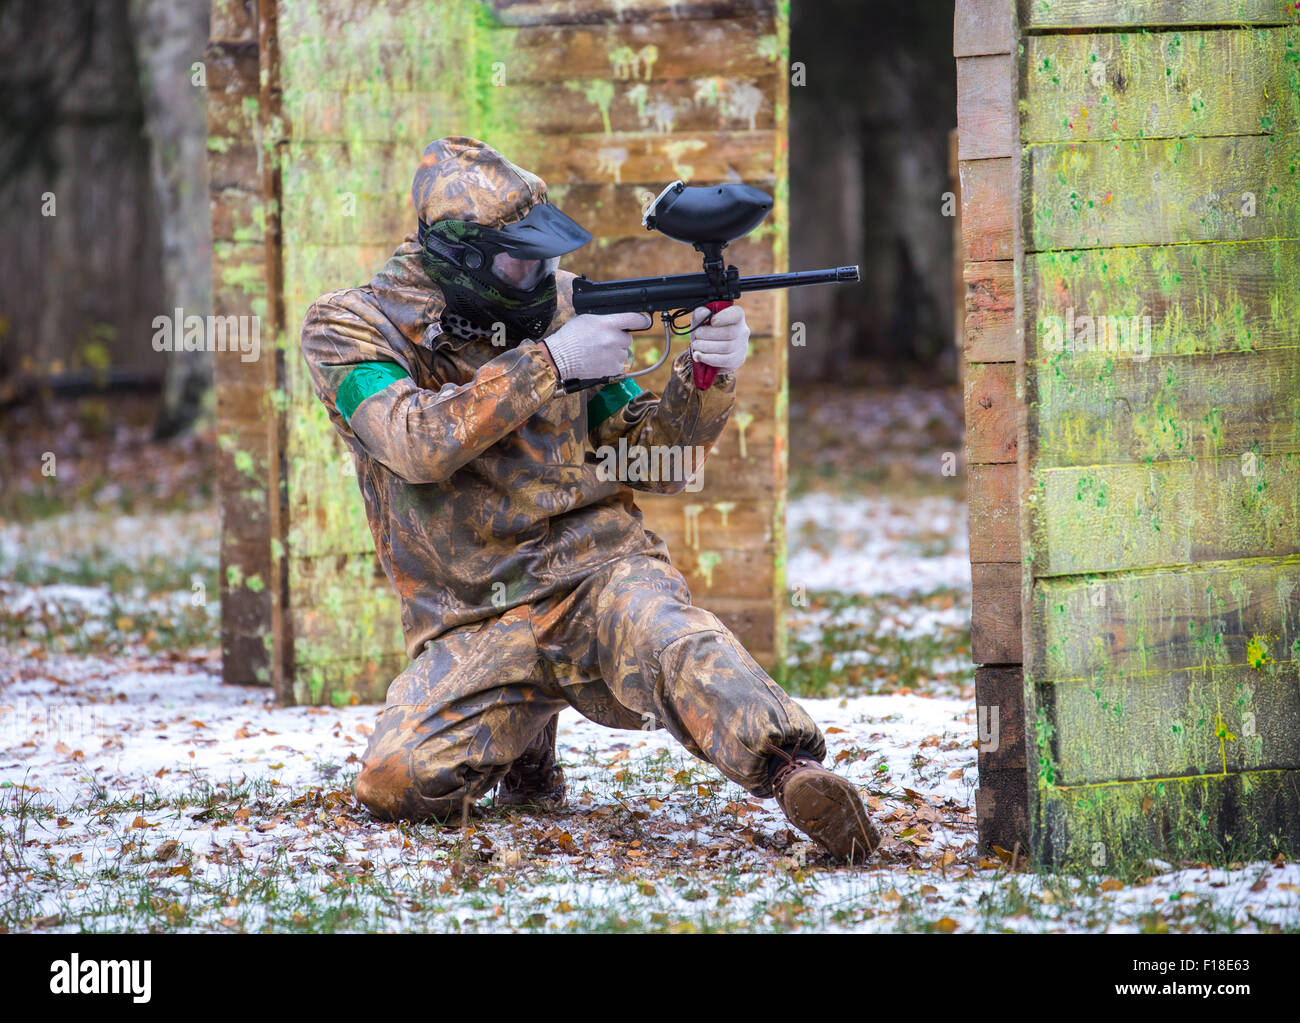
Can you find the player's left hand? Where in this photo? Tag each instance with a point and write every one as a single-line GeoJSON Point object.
{"type": "Point", "coordinates": [724, 342]}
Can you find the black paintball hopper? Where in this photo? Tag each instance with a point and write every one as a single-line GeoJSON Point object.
{"type": "Point", "coordinates": [543, 233]}
{"type": "Point", "coordinates": [707, 213]}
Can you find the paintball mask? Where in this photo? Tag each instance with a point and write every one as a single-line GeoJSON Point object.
{"type": "Point", "coordinates": [506, 275]}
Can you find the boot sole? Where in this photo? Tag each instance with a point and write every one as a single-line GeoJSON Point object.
{"type": "Point", "coordinates": [829, 810]}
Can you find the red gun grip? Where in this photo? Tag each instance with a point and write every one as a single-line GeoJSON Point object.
{"type": "Point", "coordinates": [704, 374]}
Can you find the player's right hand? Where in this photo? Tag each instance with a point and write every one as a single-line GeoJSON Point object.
{"type": "Point", "coordinates": [592, 346]}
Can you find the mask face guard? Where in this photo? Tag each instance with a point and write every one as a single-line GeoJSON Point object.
{"type": "Point", "coordinates": [461, 258]}
{"type": "Point", "coordinates": [536, 271]}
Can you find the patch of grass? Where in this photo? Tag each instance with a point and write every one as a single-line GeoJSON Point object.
{"type": "Point", "coordinates": [102, 566]}
{"type": "Point", "coordinates": [859, 648]}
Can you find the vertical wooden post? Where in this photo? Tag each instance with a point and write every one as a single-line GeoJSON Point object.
{"type": "Point", "coordinates": [986, 130]}
{"type": "Point", "coordinates": [242, 388]}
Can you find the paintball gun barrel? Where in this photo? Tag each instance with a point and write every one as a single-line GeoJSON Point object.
{"type": "Point", "coordinates": [706, 217]}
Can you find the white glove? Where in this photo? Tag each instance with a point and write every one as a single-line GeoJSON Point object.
{"type": "Point", "coordinates": [591, 346]}
{"type": "Point", "coordinates": [724, 343]}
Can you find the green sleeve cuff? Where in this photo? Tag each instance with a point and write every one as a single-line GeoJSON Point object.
{"type": "Point", "coordinates": [608, 400]}
{"type": "Point", "coordinates": [366, 379]}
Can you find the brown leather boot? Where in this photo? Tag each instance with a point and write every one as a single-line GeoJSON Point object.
{"type": "Point", "coordinates": [535, 779]}
{"type": "Point", "coordinates": [824, 806]}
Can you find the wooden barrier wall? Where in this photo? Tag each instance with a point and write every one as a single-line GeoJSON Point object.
{"type": "Point", "coordinates": [986, 133]}
{"type": "Point", "coordinates": [608, 102]}
{"type": "Point", "coordinates": [1154, 420]}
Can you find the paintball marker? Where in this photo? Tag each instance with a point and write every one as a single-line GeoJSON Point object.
{"type": "Point", "coordinates": [707, 217]}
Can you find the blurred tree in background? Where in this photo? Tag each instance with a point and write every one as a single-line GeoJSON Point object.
{"type": "Point", "coordinates": [868, 169]}
{"type": "Point", "coordinates": [103, 197]}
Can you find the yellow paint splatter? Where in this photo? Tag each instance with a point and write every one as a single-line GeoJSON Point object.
{"type": "Point", "coordinates": [1257, 652]}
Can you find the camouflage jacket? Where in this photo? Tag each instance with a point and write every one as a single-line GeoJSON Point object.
{"type": "Point", "coordinates": [483, 487]}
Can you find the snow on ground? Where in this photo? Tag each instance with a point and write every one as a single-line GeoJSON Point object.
{"type": "Point", "coordinates": [76, 732]}
{"type": "Point", "coordinates": [877, 545]}
{"type": "Point", "coordinates": [138, 792]}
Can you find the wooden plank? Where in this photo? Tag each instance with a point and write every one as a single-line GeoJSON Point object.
{"type": "Point", "coordinates": [270, 135]}
{"type": "Point", "coordinates": [233, 165]}
{"type": "Point", "coordinates": [726, 476]}
{"type": "Point", "coordinates": [595, 12]}
{"type": "Point", "coordinates": [751, 619]}
{"type": "Point", "coordinates": [239, 280]}
{"type": "Point", "coordinates": [1203, 720]}
{"type": "Point", "coordinates": [347, 682]}
{"type": "Point", "coordinates": [1095, 410]}
{"type": "Point", "coordinates": [316, 579]}
{"type": "Point", "coordinates": [993, 499]}
{"type": "Point", "coordinates": [376, 52]}
{"type": "Point", "coordinates": [240, 388]}
{"type": "Point", "coordinates": [366, 626]}
{"type": "Point", "coordinates": [1233, 297]}
{"type": "Point", "coordinates": [320, 221]}
{"type": "Point", "coordinates": [1241, 817]}
{"type": "Point", "coordinates": [231, 93]}
{"type": "Point", "coordinates": [326, 511]}
{"type": "Point", "coordinates": [1102, 194]}
{"type": "Point", "coordinates": [1223, 613]}
{"type": "Point", "coordinates": [990, 302]}
{"type": "Point", "coordinates": [726, 48]}
{"type": "Point", "coordinates": [991, 413]}
{"type": "Point", "coordinates": [1034, 15]}
{"type": "Point", "coordinates": [237, 216]}
{"type": "Point", "coordinates": [717, 524]}
{"type": "Point", "coordinates": [1159, 303]}
{"type": "Point", "coordinates": [647, 159]}
{"type": "Point", "coordinates": [244, 652]}
{"type": "Point", "coordinates": [996, 614]}
{"type": "Point", "coordinates": [1000, 716]}
{"type": "Point", "coordinates": [987, 206]}
{"type": "Point", "coordinates": [1002, 811]}
{"type": "Point", "coordinates": [723, 573]}
{"type": "Point", "coordinates": [233, 21]}
{"type": "Point", "coordinates": [1161, 85]}
{"type": "Point", "coordinates": [311, 271]}
{"type": "Point", "coordinates": [981, 26]}
{"type": "Point", "coordinates": [986, 121]}
{"type": "Point", "coordinates": [675, 106]}
{"type": "Point", "coordinates": [1107, 518]}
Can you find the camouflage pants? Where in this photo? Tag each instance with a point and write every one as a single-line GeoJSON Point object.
{"type": "Point", "coordinates": [625, 648]}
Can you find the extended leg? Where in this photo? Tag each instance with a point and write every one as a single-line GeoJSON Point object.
{"type": "Point", "coordinates": [677, 666]}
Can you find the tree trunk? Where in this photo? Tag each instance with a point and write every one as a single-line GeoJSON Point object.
{"type": "Point", "coordinates": [170, 39]}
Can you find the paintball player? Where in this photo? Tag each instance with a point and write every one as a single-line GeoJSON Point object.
{"type": "Point", "coordinates": [526, 578]}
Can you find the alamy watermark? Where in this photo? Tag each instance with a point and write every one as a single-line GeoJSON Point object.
{"type": "Point", "coordinates": [75, 976]}
{"type": "Point", "coordinates": [1118, 335]}
{"type": "Point", "coordinates": [181, 333]}
{"type": "Point", "coordinates": [660, 463]}
{"type": "Point", "coordinates": [29, 721]}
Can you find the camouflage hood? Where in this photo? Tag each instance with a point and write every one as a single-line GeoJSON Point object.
{"type": "Point", "coordinates": [461, 178]}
